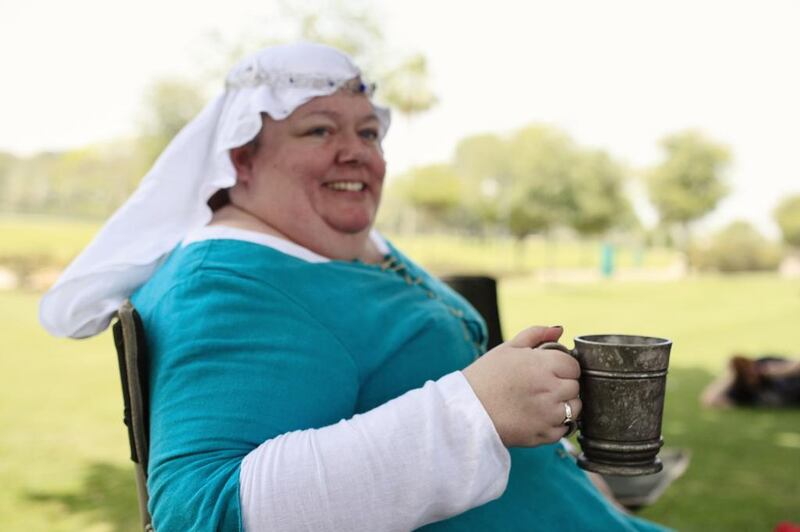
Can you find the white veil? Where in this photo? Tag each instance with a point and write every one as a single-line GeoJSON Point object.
{"type": "Point", "coordinates": [172, 198]}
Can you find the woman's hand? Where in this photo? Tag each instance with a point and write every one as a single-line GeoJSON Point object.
{"type": "Point", "coordinates": [523, 389]}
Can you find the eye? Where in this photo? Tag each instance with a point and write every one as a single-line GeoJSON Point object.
{"type": "Point", "coordinates": [319, 131]}
{"type": "Point", "coordinates": [369, 133]}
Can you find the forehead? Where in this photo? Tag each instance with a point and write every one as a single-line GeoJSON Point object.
{"type": "Point", "coordinates": [344, 103]}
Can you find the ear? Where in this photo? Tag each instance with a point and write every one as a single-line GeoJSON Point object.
{"type": "Point", "coordinates": [242, 159]}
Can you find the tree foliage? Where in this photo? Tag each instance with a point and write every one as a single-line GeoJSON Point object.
{"type": "Point", "coordinates": [739, 247]}
{"type": "Point", "coordinates": [481, 160]}
{"type": "Point", "coordinates": [787, 215]}
{"type": "Point", "coordinates": [598, 200]}
{"type": "Point", "coordinates": [169, 105]}
{"type": "Point", "coordinates": [90, 181]}
{"type": "Point", "coordinates": [352, 26]}
{"type": "Point", "coordinates": [688, 184]}
{"type": "Point", "coordinates": [435, 189]}
{"type": "Point", "coordinates": [539, 178]}
{"type": "Point", "coordinates": [406, 86]}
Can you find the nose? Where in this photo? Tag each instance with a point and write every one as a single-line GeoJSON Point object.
{"type": "Point", "coordinates": [351, 150]}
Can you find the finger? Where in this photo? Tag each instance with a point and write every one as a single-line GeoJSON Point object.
{"type": "Point", "coordinates": [577, 407]}
{"type": "Point", "coordinates": [559, 416]}
{"type": "Point", "coordinates": [567, 389]}
{"type": "Point", "coordinates": [533, 336]}
{"type": "Point", "coordinates": [565, 366]}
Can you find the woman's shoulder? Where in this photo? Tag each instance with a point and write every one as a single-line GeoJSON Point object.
{"type": "Point", "coordinates": [209, 270]}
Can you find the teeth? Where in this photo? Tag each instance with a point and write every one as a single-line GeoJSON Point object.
{"type": "Point", "coordinates": [350, 186]}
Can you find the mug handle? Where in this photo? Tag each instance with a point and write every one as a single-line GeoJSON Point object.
{"type": "Point", "coordinates": [573, 425]}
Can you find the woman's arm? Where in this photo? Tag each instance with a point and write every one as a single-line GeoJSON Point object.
{"type": "Point", "coordinates": [428, 455]}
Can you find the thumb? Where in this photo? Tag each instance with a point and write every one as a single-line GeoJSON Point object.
{"type": "Point", "coordinates": [533, 336]}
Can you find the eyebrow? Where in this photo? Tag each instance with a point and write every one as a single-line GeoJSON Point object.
{"type": "Point", "coordinates": [335, 115]}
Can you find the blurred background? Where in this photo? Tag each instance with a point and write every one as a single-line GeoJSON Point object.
{"type": "Point", "coordinates": [618, 166]}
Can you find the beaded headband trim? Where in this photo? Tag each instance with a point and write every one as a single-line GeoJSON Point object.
{"type": "Point", "coordinates": [253, 78]}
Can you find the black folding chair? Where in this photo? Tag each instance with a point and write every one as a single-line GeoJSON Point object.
{"type": "Point", "coordinates": [481, 292]}
{"type": "Point", "coordinates": [131, 345]}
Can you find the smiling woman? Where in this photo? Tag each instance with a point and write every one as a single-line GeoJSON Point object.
{"type": "Point", "coordinates": [304, 373]}
{"type": "Point", "coordinates": [314, 178]}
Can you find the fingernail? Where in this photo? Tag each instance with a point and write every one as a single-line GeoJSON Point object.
{"type": "Point", "coordinates": [556, 326]}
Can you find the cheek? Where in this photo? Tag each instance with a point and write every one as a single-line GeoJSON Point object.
{"type": "Point", "coordinates": [302, 171]}
{"type": "Point", "coordinates": [377, 166]}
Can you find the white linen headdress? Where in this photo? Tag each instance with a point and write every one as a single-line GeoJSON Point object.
{"type": "Point", "coordinates": [172, 198]}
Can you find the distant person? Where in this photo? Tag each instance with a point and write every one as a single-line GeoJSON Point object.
{"type": "Point", "coordinates": [767, 381]}
{"type": "Point", "coordinates": [305, 374]}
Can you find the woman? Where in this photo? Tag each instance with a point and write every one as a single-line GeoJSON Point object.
{"type": "Point", "coordinates": [305, 374]}
{"type": "Point", "coordinates": [767, 381]}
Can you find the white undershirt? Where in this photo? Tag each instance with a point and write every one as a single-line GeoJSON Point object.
{"type": "Point", "coordinates": [427, 455]}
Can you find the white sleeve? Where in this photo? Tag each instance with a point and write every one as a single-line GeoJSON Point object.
{"type": "Point", "coordinates": [427, 455]}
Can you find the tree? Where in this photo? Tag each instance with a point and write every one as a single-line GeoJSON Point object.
{"type": "Point", "coordinates": [739, 247]}
{"type": "Point", "coordinates": [539, 178]}
{"type": "Point", "coordinates": [540, 165]}
{"type": "Point", "coordinates": [688, 184]}
{"type": "Point", "coordinates": [434, 190]}
{"type": "Point", "coordinates": [787, 215]}
{"type": "Point", "coordinates": [482, 160]}
{"type": "Point", "coordinates": [598, 202]}
{"type": "Point", "coordinates": [521, 181]}
{"type": "Point", "coordinates": [7, 163]}
{"type": "Point", "coordinates": [27, 183]}
{"type": "Point", "coordinates": [351, 26]}
{"type": "Point", "coordinates": [405, 87]}
{"type": "Point", "coordinates": [169, 105]}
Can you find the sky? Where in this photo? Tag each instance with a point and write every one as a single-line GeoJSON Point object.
{"type": "Point", "coordinates": [617, 75]}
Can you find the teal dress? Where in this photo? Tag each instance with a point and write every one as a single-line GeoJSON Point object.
{"type": "Point", "coordinates": [248, 343]}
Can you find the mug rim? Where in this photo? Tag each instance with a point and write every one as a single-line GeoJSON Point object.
{"type": "Point", "coordinates": [656, 341]}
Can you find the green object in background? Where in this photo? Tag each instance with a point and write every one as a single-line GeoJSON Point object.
{"type": "Point", "coordinates": [638, 256]}
{"type": "Point", "coordinates": [607, 260]}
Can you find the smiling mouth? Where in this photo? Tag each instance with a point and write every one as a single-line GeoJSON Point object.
{"type": "Point", "coordinates": [347, 186]}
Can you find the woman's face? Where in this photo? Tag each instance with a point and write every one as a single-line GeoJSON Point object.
{"type": "Point", "coordinates": [317, 174]}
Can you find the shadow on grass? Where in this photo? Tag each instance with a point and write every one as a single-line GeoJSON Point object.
{"type": "Point", "coordinates": [743, 473]}
{"type": "Point", "coordinates": [107, 495]}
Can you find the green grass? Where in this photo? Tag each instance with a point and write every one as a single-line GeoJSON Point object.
{"type": "Point", "coordinates": [502, 256]}
{"type": "Point", "coordinates": [708, 317]}
{"type": "Point", "coordinates": [59, 240]}
{"type": "Point", "coordinates": [63, 449]}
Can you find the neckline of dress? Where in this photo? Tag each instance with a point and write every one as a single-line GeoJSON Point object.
{"type": "Point", "coordinates": [287, 247]}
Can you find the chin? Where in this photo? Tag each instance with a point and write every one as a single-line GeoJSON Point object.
{"type": "Point", "coordinates": [351, 225]}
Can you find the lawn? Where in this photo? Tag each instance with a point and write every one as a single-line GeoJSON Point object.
{"type": "Point", "coordinates": [63, 448]}
{"type": "Point", "coordinates": [57, 240]}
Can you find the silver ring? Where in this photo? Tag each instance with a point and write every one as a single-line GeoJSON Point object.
{"type": "Point", "coordinates": [567, 414]}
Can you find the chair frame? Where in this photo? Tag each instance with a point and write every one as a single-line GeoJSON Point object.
{"type": "Point", "coordinates": [131, 345]}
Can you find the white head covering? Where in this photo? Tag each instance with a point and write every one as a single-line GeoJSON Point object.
{"type": "Point", "coordinates": [172, 198]}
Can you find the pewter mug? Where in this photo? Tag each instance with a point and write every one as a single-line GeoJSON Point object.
{"type": "Point", "coordinates": [623, 383]}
